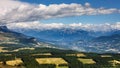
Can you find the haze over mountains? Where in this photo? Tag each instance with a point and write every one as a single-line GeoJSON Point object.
{"type": "Point", "coordinates": [81, 37]}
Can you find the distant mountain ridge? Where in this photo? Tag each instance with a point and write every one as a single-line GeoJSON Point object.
{"type": "Point", "coordinates": [78, 39]}
{"type": "Point", "coordinates": [9, 37]}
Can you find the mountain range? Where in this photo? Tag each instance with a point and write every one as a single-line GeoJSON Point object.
{"type": "Point", "coordinates": [78, 39]}
{"type": "Point", "coordinates": [14, 40]}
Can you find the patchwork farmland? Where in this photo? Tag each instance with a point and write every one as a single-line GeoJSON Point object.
{"type": "Point", "coordinates": [55, 58]}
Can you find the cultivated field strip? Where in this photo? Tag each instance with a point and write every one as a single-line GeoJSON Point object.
{"type": "Point", "coordinates": [58, 59]}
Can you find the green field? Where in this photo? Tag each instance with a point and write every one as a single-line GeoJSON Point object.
{"type": "Point", "coordinates": [55, 58]}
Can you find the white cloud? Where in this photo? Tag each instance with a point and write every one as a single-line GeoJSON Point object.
{"type": "Point", "coordinates": [42, 26]}
{"type": "Point", "coordinates": [16, 11]}
{"type": "Point", "coordinates": [87, 4]}
{"type": "Point", "coordinates": [107, 11]}
{"type": "Point", "coordinates": [36, 25]}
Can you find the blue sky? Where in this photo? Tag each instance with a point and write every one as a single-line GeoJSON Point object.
{"type": "Point", "coordinates": [95, 3]}
{"type": "Point", "coordinates": [105, 18]}
{"type": "Point", "coordinates": [93, 19]}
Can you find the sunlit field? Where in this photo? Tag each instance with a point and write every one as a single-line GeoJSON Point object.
{"type": "Point", "coordinates": [55, 58]}
{"type": "Point", "coordinates": [15, 62]}
{"type": "Point", "coordinates": [86, 61]}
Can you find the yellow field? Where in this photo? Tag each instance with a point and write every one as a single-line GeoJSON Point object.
{"type": "Point", "coordinates": [86, 61]}
{"type": "Point", "coordinates": [106, 56]}
{"type": "Point", "coordinates": [114, 62]}
{"type": "Point", "coordinates": [15, 62]}
{"type": "Point", "coordinates": [26, 48]}
{"type": "Point", "coordinates": [78, 55]}
{"type": "Point", "coordinates": [56, 61]}
{"type": "Point", "coordinates": [1, 49]}
{"type": "Point", "coordinates": [81, 55]}
{"type": "Point", "coordinates": [47, 54]}
{"type": "Point", "coordinates": [70, 54]}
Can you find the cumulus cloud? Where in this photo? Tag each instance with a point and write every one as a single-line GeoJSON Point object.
{"type": "Point", "coordinates": [15, 11]}
{"type": "Point", "coordinates": [42, 26]}
{"type": "Point", "coordinates": [36, 25]}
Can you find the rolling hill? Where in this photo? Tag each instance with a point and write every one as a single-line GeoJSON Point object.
{"type": "Point", "coordinates": [13, 40]}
